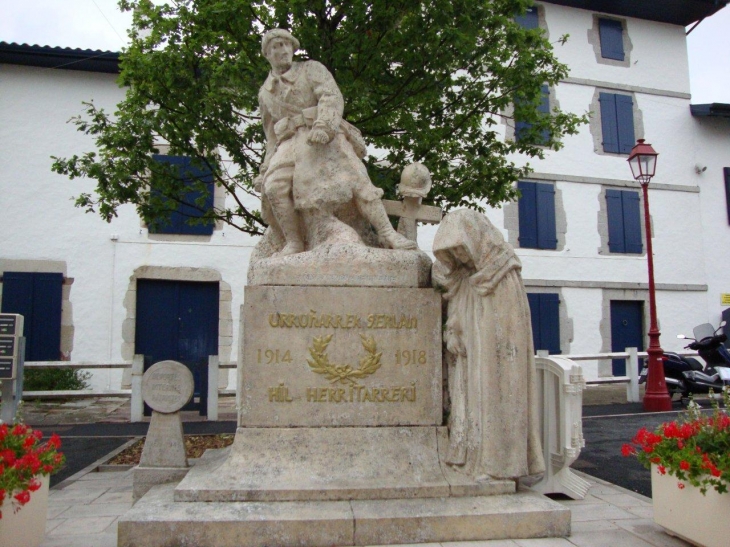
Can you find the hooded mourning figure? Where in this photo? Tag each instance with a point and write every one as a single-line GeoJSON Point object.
{"type": "Point", "coordinates": [493, 428]}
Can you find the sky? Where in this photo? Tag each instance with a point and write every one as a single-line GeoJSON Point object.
{"type": "Point", "coordinates": [98, 24]}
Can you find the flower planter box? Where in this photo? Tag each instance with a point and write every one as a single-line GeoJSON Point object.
{"type": "Point", "coordinates": [686, 513]}
{"type": "Point", "coordinates": [27, 527]}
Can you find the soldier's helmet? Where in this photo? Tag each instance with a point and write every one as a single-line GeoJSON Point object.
{"type": "Point", "coordinates": [278, 33]}
{"type": "Point", "coordinates": [415, 181]}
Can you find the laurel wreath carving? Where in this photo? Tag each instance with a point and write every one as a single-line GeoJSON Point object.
{"type": "Point", "coordinates": [344, 374]}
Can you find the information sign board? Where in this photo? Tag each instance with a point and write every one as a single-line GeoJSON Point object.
{"type": "Point", "coordinates": [11, 329]}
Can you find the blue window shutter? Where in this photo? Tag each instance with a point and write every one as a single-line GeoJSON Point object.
{"type": "Point", "coordinates": [726, 171]}
{"type": "Point", "coordinates": [546, 234]}
{"type": "Point", "coordinates": [187, 211]}
{"type": "Point", "coordinates": [609, 123]}
{"type": "Point", "coordinates": [632, 222]}
{"type": "Point", "coordinates": [545, 320]}
{"type": "Point", "coordinates": [529, 19]}
{"type": "Point", "coordinates": [612, 41]}
{"type": "Point", "coordinates": [178, 219]}
{"type": "Point", "coordinates": [614, 207]}
{"type": "Point", "coordinates": [544, 108]}
{"type": "Point", "coordinates": [550, 323]}
{"type": "Point", "coordinates": [47, 291]}
{"type": "Point", "coordinates": [520, 128]}
{"type": "Point", "coordinates": [18, 298]}
{"type": "Point", "coordinates": [534, 301]}
{"type": "Point", "coordinates": [528, 214]}
{"type": "Point", "coordinates": [37, 297]}
{"type": "Point", "coordinates": [625, 118]}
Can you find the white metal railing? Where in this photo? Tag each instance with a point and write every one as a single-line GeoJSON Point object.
{"type": "Point", "coordinates": [632, 367]}
{"type": "Point", "coordinates": [135, 393]}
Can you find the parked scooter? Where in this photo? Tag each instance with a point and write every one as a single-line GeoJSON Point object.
{"type": "Point", "coordinates": [685, 375]}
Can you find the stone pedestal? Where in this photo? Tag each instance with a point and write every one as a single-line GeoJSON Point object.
{"type": "Point", "coordinates": [166, 387]}
{"type": "Point", "coordinates": [340, 356]}
{"type": "Point", "coordinates": [341, 437]}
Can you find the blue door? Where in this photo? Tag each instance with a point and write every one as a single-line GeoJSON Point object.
{"type": "Point", "coordinates": [37, 297]}
{"type": "Point", "coordinates": [627, 330]}
{"type": "Point", "coordinates": [178, 320]}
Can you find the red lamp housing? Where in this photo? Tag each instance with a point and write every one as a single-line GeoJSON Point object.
{"type": "Point", "coordinates": [642, 161]}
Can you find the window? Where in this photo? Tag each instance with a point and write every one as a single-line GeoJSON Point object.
{"type": "Point", "coordinates": [537, 215]}
{"type": "Point", "coordinates": [37, 297]}
{"type": "Point", "coordinates": [617, 122]}
{"type": "Point", "coordinates": [545, 318]}
{"type": "Point", "coordinates": [726, 171]}
{"type": "Point", "coordinates": [624, 221]}
{"type": "Point", "coordinates": [529, 19]}
{"type": "Point", "coordinates": [177, 223]}
{"type": "Point", "coordinates": [612, 40]}
{"type": "Point", "coordinates": [522, 127]}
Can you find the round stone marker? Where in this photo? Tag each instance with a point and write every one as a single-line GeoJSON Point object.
{"type": "Point", "coordinates": [167, 386]}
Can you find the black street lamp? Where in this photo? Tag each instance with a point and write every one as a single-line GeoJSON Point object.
{"type": "Point", "coordinates": [643, 166]}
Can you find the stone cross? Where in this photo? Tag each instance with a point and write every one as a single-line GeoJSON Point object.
{"type": "Point", "coordinates": [411, 211]}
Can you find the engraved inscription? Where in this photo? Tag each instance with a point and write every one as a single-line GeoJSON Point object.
{"type": "Point", "coordinates": [410, 357]}
{"type": "Point", "coordinates": [273, 356]}
{"type": "Point", "coordinates": [315, 320]}
{"type": "Point", "coordinates": [167, 386]}
{"type": "Point", "coordinates": [351, 394]}
{"type": "Point", "coordinates": [362, 394]}
{"type": "Point", "coordinates": [279, 394]}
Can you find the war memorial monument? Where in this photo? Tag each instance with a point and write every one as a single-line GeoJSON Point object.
{"type": "Point", "coordinates": [342, 436]}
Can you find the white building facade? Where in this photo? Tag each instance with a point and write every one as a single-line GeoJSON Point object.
{"type": "Point", "coordinates": [587, 274]}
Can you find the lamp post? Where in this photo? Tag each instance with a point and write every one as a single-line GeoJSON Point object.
{"type": "Point", "coordinates": [642, 161]}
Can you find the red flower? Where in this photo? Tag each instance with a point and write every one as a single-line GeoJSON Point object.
{"type": "Point", "coordinates": [680, 485]}
{"type": "Point", "coordinates": [684, 465]}
{"type": "Point", "coordinates": [38, 434]}
{"type": "Point", "coordinates": [55, 441]}
{"type": "Point", "coordinates": [628, 450]}
{"type": "Point", "coordinates": [8, 456]}
{"type": "Point", "coordinates": [34, 485]}
{"type": "Point", "coordinates": [662, 470]}
{"type": "Point", "coordinates": [715, 472]}
{"type": "Point", "coordinates": [19, 429]}
{"type": "Point", "coordinates": [28, 442]}
{"type": "Point", "coordinates": [22, 497]}
{"type": "Point", "coordinates": [680, 444]}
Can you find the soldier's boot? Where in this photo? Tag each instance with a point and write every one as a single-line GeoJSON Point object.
{"type": "Point", "coordinates": [288, 220]}
{"type": "Point", "coordinates": [375, 213]}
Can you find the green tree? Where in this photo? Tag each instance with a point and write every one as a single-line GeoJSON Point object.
{"type": "Point", "coordinates": [427, 81]}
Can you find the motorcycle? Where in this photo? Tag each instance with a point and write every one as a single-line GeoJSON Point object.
{"type": "Point", "coordinates": [685, 375]}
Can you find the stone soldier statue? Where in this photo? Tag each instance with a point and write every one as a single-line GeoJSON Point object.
{"type": "Point", "coordinates": [313, 160]}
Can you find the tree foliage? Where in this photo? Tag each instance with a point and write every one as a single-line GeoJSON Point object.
{"type": "Point", "coordinates": [430, 81]}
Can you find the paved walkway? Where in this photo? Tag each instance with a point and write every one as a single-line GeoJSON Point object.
{"type": "Point", "coordinates": [83, 512]}
{"type": "Point", "coordinates": [85, 508]}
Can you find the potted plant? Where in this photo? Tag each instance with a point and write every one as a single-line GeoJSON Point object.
{"type": "Point", "coordinates": [26, 462]}
{"type": "Point", "coordinates": [690, 472]}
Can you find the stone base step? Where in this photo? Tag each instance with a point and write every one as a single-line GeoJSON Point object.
{"type": "Point", "coordinates": [331, 464]}
{"type": "Point", "coordinates": [158, 521]}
